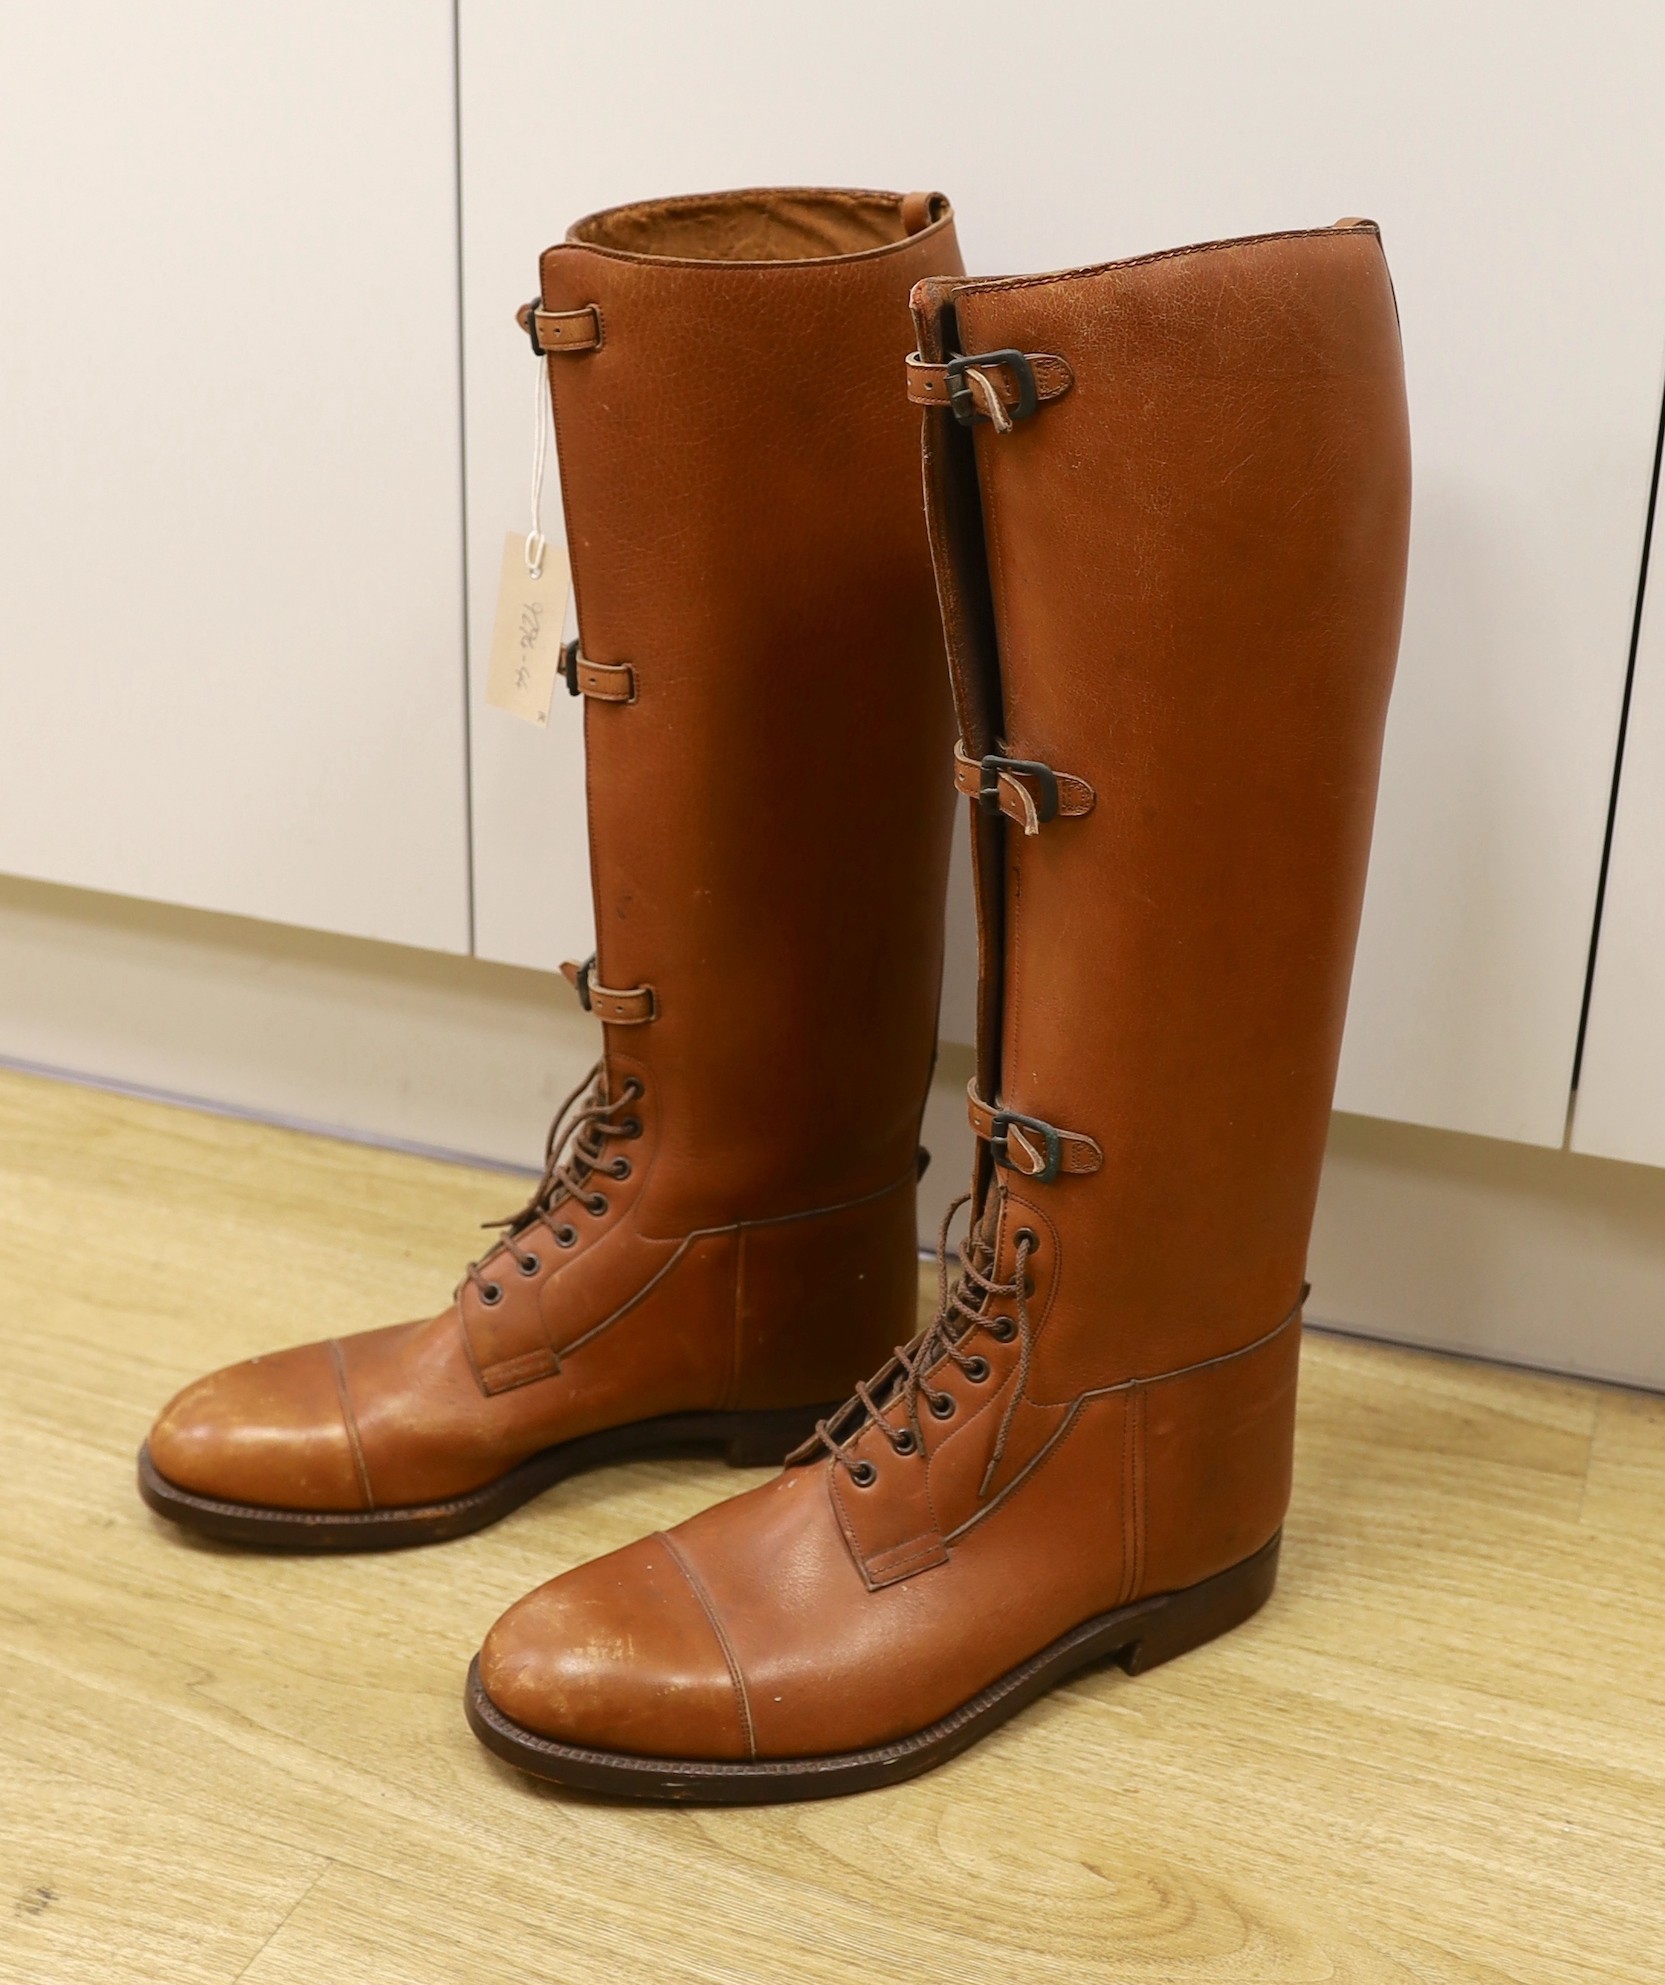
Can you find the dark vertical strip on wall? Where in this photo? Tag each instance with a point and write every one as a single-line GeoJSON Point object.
{"type": "Point", "coordinates": [1619, 751]}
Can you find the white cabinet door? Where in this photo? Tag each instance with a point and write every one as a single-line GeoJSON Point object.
{"type": "Point", "coordinates": [1620, 1108]}
{"type": "Point", "coordinates": [523, 87]}
{"type": "Point", "coordinates": [230, 484]}
{"type": "Point", "coordinates": [1512, 153]}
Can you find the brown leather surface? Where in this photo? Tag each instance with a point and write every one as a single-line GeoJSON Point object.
{"type": "Point", "coordinates": [558, 1658]}
{"type": "Point", "coordinates": [770, 819]}
{"type": "Point", "coordinates": [768, 580]}
{"type": "Point", "coordinates": [279, 1416]}
{"type": "Point", "coordinates": [1192, 593]}
{"type": "Point", "coordinates": [1232, 471]}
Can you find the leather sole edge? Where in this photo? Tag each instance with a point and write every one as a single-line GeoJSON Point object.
{"type": "Point", "coordinates": [1139, 1637]}
{"type": "Point", "coordinates": [759, 1439]}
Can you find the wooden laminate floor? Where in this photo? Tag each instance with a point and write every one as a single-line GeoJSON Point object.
{"type": "Point", "coordinates": [1439, 1754]}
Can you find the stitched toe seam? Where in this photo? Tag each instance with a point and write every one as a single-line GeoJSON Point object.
{"type": "Point", "coordinates": [697, 1587]}
{"type": "Point", "coordinates": [340, 1367]}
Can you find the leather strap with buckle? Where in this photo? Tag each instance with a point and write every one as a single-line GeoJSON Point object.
{"type": "Point", "coordinates": [606, 682]}
{"type": "Point", "coordinates": [1023, 789]}
{"type": "Point", "coordinates": [555, 331]}
{"type": "Point", "coordinates": [618, 1009]}
{"type": "Point", "coordinates": [1029, 1145]}
{"type": "Point", "coordinates": [1019, 381]}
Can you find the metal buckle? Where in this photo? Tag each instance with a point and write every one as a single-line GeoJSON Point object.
{"type": "Point", "coordinates": [532, 310]}
{"type": "Point", "coordinates": [1051, 1138]}
{"type": "Point", "coordinates": [988, 783]}
{"type": "Point", "coordinates": [568, 666]}
{"type": "Point", "coordinates": [963, 403]}
{"type": "Point", "coordinates": [582, 983]}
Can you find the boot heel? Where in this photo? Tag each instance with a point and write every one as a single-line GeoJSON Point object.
{"type": "Point", "coordinates": [1179, 1621]}
{"type": "Point", "coordinates": [764, 1440]}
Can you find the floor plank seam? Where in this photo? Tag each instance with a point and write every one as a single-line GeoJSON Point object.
{"type": "Point", "coordinates": [279, 1927]}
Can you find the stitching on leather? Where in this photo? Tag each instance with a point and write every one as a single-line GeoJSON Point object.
{"type": "Point", "coordinates": [786, 1219]}
{"type": "Point", "coordinates": [1127, 1385]}
{"type": "Point", "coordinates": [737, 1336]}
{"type": "Point", "coordinates": [841, 1515]}
{"type": "Point", "coordinates": [1005, 285]}
{"type": "Point", "coordinates": [1222, 1358]}
{"type": "Point", "coordinates": [885, 1564]}
{"type": "Point", "coordinates": [683, 1245]}
{"type": "Point", "coordinates": [1065, 1428]}
{"type": "Point", "coordinates": [522, 1369]}
{"type": "Point", "coordinates": [647, 1288]}
{"type": "Point", "coordinates": [577, 600]}
{"type": "Point", "coordinates": [697, 1586]}
{"type": "Point", "coordinates": [1123, 1581]}
{"type": "Point", "coordinates": [1139, 1402]}
{"type": "Point", "coordinates": [339, 1364]}
{"type": "Point", "coordinates": [1185, 1371]}
{"type": "Point", "coordinates": [995, 558]}
{"type": "Point", "coordinates": [919, 1555]}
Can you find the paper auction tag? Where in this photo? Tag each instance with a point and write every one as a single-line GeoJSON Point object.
{"type": "Point", "coordinates": [526, 644]}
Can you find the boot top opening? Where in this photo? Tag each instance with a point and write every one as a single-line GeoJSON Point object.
{"type": "Point", "coordinates": [763, 225]}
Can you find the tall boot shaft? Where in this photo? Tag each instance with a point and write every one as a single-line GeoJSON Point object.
{"type": "Point", "coordinates": [769, 808]}
{"type": "Point", "coordinates": [1195, 569]}
{"type": "Point", "coordinates": [1168, 502]}
{"type": "Point", "coordinates": [724, 1236]}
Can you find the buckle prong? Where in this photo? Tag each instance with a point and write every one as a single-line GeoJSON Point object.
{"type": "Point", "coordinates": [963, 402]}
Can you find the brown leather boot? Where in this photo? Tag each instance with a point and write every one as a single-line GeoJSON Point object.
{"type": "Point", "coordinates": [1170, 544]}
{"type": "Point", "coordinates": [724, 1238]}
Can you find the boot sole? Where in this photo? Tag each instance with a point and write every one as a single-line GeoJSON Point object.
{"type": "Point", "coordinates": [747, 1440]}
{"type": "Point", "coordinates": [1138, 1637]}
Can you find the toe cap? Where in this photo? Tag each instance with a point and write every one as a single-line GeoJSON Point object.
{"type": "Point", "coordinates": [621, 1654]}
{"type": "Point", "coordinates": [271, 1431]}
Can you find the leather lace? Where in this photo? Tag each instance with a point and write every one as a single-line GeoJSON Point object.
{"type": "Point", "coordinates": [574, 1161]}
{"type": "Point", "coordinates": [962, 1310]}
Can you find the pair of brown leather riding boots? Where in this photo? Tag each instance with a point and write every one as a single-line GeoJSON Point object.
{"type": "Point", "coordinates": [1163, 543]}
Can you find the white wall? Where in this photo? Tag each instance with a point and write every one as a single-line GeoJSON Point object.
{"type": "Point", "coordinates": [1511, 153]}
{"type": "Point", "coordinates": [231, 668]}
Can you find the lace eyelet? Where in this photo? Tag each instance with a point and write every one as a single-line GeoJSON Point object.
{"type": "Point", "coordinates": [596, 1204]}
{"type": "Point", "coordinates": [1003, 1329]}
{"type": "Point", "coordinates": [977, 1369]}
{"type": "Point", "coordinates": [530, 1265]}
{"type": "Point", "coordinates": [566, 1237]}
{"type": "Point", "coordinates": [943, 1406]}
{"type": "Point", "coordinates": [631, 1127]}
{"type": "Point", "coordinates": [1026, 1237]}
{"type": "Point", "coordinates": [620, 1168]}
{"type": "Point", "coordinates": [904, 1443]}
{"type": "Point", "coordinates": [491, 1294]}
{"type": "Point", "coordinates": [863, 1474]}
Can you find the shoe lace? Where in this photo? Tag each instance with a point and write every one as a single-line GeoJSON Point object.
{"type": "Point", "coordinates": [574, 1154]}
{"type": "Point", "coordinates": [962, 1310]}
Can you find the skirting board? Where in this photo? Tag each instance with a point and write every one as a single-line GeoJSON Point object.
{"type": "Point", "coordinates": [1423, 1237]}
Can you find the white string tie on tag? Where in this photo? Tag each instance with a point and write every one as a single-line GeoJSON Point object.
{"type": "Point", "coordinates": [536, 543]}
